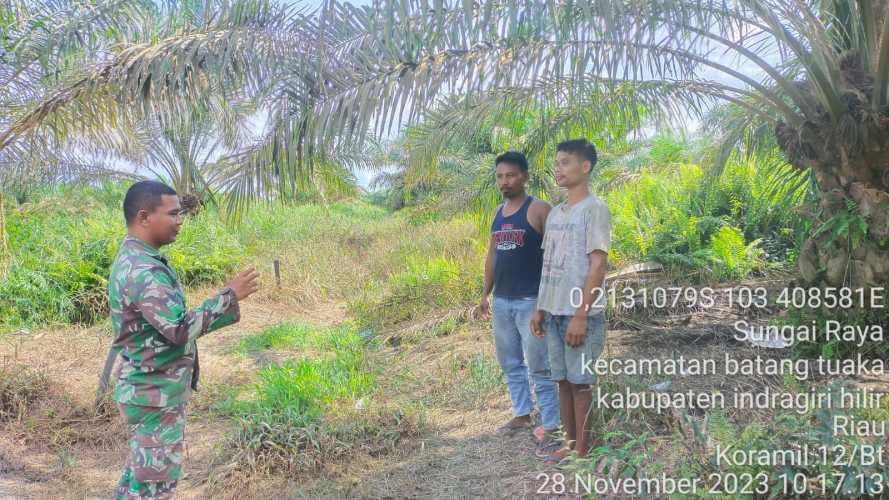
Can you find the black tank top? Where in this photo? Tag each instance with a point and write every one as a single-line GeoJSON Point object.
{"type": "Point", "coordinates": [519, 256]}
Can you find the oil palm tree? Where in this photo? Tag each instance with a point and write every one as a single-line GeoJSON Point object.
{"type": "Point", "coordinates": [816, 72]}
{"type": "Point", "coordinates": [187, 152]}
{"type": "Point", "coordinates": [452, 152]}
{"type": "Point", "coordinates": [64, 119]}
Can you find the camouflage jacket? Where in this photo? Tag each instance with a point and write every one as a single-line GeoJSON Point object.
{"type": "Point", "coordinates": [154, 332]}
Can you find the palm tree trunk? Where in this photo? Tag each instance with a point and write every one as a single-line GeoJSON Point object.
{"type": "Point", "coordinates": [850, 242]}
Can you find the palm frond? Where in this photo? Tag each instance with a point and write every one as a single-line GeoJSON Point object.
{"type": "Point", "coordinates": [163, 78]}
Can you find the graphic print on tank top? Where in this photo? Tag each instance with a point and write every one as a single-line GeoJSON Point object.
{"type": "Point", "coordinates": [508, 238]}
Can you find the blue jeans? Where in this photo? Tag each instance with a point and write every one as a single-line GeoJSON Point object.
{"type": "Point", "coordinates": [516, 346]}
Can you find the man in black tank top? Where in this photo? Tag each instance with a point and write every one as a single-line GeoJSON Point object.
{"type": "Point", "coordinates": [512, 271]}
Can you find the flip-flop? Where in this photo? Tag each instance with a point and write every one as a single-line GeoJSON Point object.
{"type": "Point", "coordinates": [507, 429]}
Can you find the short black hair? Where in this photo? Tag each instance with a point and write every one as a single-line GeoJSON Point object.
{"type": "Point", "coordinates": [144, 195]}
{"type": "Point", "coordinates": [582, 148]}
{"type": "Point", "coordinates": [513, 158]}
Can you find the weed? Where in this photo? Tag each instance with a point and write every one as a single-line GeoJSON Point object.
{"type": "Point", "coordinates": [620, 456]}
{"type": "Point", "coordinates": [62, 246]}
{"type": "Point", "coordinates": [835, 348]}
{"type": "Point", "coordinates": [67, 461]}
{"type": "Point", "coordinates": [282, 425]}
{"type": "Point", "coordinates": [847, 223]}
{"type": "Point", "coordinates": [676, 216]}
{"type": "Point", "coordinates": [476, 376]}
{"type": "Point", "coordinates": [423, 285]}
{"type": "Point", "coordinates": [485, 375]}
{"type": "Point", "coordinates": [290, 335]}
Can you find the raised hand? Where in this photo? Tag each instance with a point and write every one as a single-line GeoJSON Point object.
{"type": "Point", "coordinates": [245, 284]}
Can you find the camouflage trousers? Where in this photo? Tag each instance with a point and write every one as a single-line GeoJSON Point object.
{"type": "Point", "coordinates": [156, 451]}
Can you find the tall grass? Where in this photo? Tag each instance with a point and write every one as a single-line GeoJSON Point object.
{"type": "Point", "coordinates": [433, 266]}
{"type": "Point", "coordinates": [63, 242]}
{"type": "Point", "coordinates": [62, 245]}
{"type": "Point", "coordinates": [326, 251]}
{"type": "Point", "coordinates": [60, 251]}
{"type": "Point", "coordinates": [388, 267]}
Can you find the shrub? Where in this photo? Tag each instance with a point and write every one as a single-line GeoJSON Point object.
{"type": "Point", "coordinates": [62, 247]}
{"type": "Point", "coordinates": [61, 252]}
{"type": "Point", "coordinates": [735, 258]}
{"type": "Point", "coordinates": [424, 284]}
{"type": "Point", "coordinates": [432, 266]}
{"type": "Point", "coordinates": [725, 226]}
{"type": "Point", "coordinates": [204, 251]}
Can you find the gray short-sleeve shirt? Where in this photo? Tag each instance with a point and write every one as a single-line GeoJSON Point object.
{"type": "Point", "coordinates": [572, 233]}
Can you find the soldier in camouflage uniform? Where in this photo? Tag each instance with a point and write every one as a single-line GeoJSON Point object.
{"type": "Point", "coordinates": [155, 336]}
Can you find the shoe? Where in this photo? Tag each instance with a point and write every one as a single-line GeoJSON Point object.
{"type": "Point", "coordinates": [549, 440]}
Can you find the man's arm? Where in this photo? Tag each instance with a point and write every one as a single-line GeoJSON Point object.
{"type": "Point", "coordinates": [484, 306]}
{"type": "Point", "coordinates": [598, 240]}
{"type": "Point", "coordinates": [592, 289]}
{"type": "Point", "coordinates": [164, 308]}
{"type": "Point", "coordinates": [537, 214]}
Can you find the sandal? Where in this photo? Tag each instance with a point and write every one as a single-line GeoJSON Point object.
{"type": "Point", "coordinates": [550, 456]}
{"type": "Point", "coordinates": [517, 423]}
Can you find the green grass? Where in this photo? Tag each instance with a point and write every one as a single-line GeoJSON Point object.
{"type": "Point", "coordinates": [433, 267]}
{"type": "Point", "coordinates": [290, 335]}
{"type": "Point", "coordinates": [303, 386]}
{"type": "Point", "coordinates": [485, 376]}
{"type": "Point", "coordinates": [283, 414]}
{"type": "Point", "coordinates": [205, 251]}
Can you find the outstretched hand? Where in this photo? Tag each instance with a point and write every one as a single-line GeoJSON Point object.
{"type": "Point", "coordinates": [245, 284]}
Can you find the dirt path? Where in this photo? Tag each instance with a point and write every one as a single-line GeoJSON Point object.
{"type": "Point", "coordinates": [461, 455]}
{"type": "Point", "coordinates": [56, 452]}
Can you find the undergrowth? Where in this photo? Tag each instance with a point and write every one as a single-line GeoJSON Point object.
{"type": "Point", "coordinates": [20, 387]}
{"type": "Point", "coordinates": [722, 227]}
{"type": "Point", "coordinates": [62, 246]}
{"type": "Point", "coordinates": [304, 411]}
{"type": "Point", "coordinates": [631, 444]}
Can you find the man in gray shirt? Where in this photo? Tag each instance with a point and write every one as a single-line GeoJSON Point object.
{"type": "Point", "coordinates": [571, 296]}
